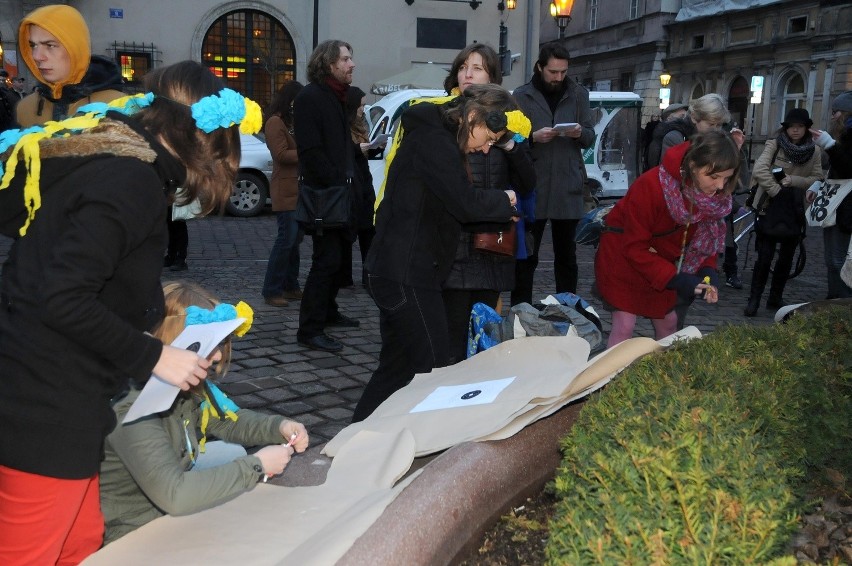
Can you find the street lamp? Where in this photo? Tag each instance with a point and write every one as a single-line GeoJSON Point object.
{"type": "Point", "coordinates": [561, 12]}
{"type": "Point", "coordinates": [665, 92]}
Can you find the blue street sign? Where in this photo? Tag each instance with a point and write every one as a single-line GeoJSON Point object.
{"type": "Point", "coordinates": [117, 13]}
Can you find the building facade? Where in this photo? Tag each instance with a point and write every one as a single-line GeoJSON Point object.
{"type": "Point", "coordinates": [256, 45]}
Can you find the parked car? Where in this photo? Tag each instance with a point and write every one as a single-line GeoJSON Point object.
{"type": "Point", "coordinates": [612, 163]}
{"type": "Point", "coordinates": [251, 189]}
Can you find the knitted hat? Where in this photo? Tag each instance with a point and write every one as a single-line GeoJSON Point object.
{"type": "Point", "coordinates": [797, 116]}
{"type": "Point", "coordinates": [672, 108]}
{"type": "Point", "coordinates": [843, 102]}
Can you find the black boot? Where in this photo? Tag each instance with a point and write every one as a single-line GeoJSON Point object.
{"type": "Point", "coordinates": [752, 306]}
{"type": "Point", "coordinates": [775, 302]}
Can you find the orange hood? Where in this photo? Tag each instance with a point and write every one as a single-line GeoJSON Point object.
{"type": "Point", "coordinates": [69, 27]}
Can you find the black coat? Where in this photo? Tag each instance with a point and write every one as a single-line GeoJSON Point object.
{"type": "Point", "coordinates": [495, 170]}
{"type": "Point", "coordinates": [78, 292]}
{"type": "Point", "coordinates": [840, 156]}
{"type": "Point", "coordinates": [427, 197]}
{"type": "Point", "coordinates": [322, 136]}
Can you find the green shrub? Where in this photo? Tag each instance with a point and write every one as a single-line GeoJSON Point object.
{"type": "Point", "coordinates": [698, 455]}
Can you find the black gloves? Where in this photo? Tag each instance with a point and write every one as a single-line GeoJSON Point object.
{"type": "Point", "coordinates": [684, 284]}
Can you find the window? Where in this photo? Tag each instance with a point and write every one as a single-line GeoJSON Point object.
{"type": "Point", "coordinates": [593, 14]}
{"type": "Point", "coordinates": [697, 92]}
{"type": "Point", "coordinates": [251, 52]}
{"type": "Point", "coordinates": [625, 82]}
{"type": "Point", "coordinates": [134, 60]}
{"type": "Point", "coordinates": [437, 33]}
{"type": "Point", "coordinates": [633, 10]}
{"type": "Point", "coordinates": [799, 24]}
{"type": "Point", "coordinates": [698, 41]}
{"type": "Point", "coordinates": [793, 93]}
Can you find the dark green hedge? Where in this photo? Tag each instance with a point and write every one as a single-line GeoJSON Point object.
{"type": "Point", "coordinates": [702, 454]}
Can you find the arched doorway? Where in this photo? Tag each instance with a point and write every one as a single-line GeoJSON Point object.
{"type": "Point", "coordinates": [738, 97]}
{"type": "Point", "coordinates": [697, 92]}
{"type": "Point", "coordinates": [251, 52]}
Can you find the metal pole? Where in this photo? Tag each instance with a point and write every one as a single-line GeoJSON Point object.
{"type": "Point", "coordinates": [751, 134]}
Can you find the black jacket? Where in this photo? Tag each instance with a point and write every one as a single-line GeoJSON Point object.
{"type": "Point", "coordinates": [323, 141]}
{"type": "Point", "coordinates": [78, 292]}
{"type": "Point", "coordinates": [496, 170]}
{"type": "Point", "coordinates": [427, 197]}
{"type": "Point", "coordinates": [840, 156]}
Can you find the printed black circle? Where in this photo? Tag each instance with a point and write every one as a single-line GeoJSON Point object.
{"type": "Point", "coordinates": [471, 394]}
{"type": "Point", "coordinates": [194, 347]}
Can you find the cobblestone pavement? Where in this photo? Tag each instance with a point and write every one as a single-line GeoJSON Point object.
{"type": "Point", "coordinates": [270, 372]}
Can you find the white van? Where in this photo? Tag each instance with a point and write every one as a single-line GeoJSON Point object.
{"type": "Point", "coordinates": [612, 163]}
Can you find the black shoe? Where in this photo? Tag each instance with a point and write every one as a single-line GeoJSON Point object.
{"type": "Point", "coordinates": [734, 282]}
{"type": "Point", "coordinates": [179, 265]}
{"type": "Point", "coordinates": [321, 342]}
{"type": "Point", "coordinates": [343, 322]}
{"type": "Point", "coordinates": [752, 306]}
{"type": "Point", "coordinates": [775, 303]}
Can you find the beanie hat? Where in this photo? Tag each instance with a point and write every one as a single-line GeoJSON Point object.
{"type": "Point", "coordinates": [68, 26]}
{"type": "Point", "coordinates": [672, 108]}
{"type": "Point", "coordinates": [797, 116]}
{"type": "Point", "coordinates": [843, 102]}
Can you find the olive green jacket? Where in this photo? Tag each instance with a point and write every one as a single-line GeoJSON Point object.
{"type": "Point", "coordinates": [147, 469]}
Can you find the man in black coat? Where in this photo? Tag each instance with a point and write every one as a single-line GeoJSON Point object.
{"type": "Point", "coordinates": [324, 149]}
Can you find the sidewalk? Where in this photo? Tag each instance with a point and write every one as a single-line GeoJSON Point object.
{"type": "Point", "coordinates": [270, 372]}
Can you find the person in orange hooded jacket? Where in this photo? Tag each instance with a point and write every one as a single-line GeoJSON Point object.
{"type": "Point", "coordinates": [54, 43]}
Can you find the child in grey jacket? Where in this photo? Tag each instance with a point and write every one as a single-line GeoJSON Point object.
{"type": "Point", "coordinates": [156, 465]}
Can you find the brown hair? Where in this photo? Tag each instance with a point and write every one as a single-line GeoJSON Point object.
{"type": "Point", "coordinates": [357, 125]}
{"type": "Point", "coordinates": [479, 105]}
{"type": "Point", "coordinates": [489, 57]}
{"type": "Point", "coordinates": [282, 104]}
{"type": "Point", "coordinates": [179, 295]}
{"type": "Point", "coordinates": [324, 56]}
{"type": "Point", "coordinates": [716, 150]}
{"type": "Point", "coordinates": [211, 160]}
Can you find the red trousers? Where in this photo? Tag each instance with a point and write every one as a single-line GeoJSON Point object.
{"type": "Point", "coordinates": [47, 520]}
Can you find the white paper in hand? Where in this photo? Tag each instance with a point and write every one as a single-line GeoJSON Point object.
{"type": "Point", "coordinates": [157, 395]}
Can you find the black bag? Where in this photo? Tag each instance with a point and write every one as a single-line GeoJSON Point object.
{"type": "Point", "coordinates": [326, 208]}
{"type": "Point", "coordinates": [784, 218]}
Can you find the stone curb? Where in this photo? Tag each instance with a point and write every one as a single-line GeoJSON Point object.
{"type": "Point", "coordinates": [440, 517]}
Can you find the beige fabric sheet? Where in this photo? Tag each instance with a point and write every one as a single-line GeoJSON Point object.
{"type": "Point", "coordinates": [276, 525]}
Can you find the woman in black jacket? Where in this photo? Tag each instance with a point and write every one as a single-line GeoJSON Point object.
{"type": "Point", "coordinates": [428, 196]}
{"type": "Point", "coordinates": [476, 276]}
{"type": "Point", "coordinates": [839, 149]}
{"type": "Point", "coordinates": [81, 288]}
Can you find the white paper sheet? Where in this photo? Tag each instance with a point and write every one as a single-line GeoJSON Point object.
{"type": "Point", "coordinates": [157, 395]}
{"type": "Point", "coordinates": [452, 396]}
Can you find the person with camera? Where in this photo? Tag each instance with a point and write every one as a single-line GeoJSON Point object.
{"type": "Point", "coordinates": [789, 164]}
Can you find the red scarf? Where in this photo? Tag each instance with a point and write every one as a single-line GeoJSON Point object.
{"type": "Point", "coordinates": [707, 212]}
{"type": "Point", "coordinates": [338, 87]}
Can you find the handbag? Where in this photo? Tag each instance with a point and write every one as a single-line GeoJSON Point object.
{"type": "Point", "coordinates": [829, 194]}
{"type": "Point", "coordinates": [326, 208]}
{"type": "Point", "coordinates": [498, 243]}
{"type": "Point", "coordinates": [784, 216]}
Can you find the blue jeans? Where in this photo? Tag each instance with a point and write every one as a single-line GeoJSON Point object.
{"type": "Point", "coordinates": [282, 270]}
{"type": "Point", "coordinates": [836, 243]}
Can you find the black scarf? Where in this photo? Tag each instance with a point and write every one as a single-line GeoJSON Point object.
{"type": "Point", "coordinates": [797, 154]}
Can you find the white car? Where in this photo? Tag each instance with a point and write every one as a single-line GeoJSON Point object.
{"type": "Point", "coordinates": [251, 190]}
{"type": "Point", "coordinates": [612, 162]}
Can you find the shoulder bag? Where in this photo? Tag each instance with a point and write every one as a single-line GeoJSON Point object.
{"type": "Point", "coordinates": [326, 208]}
{"type": "Point", "coordinates": [829, 194]}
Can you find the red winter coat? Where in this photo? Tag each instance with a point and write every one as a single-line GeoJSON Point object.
{"type": "Point", "coordinates": [632, 268]}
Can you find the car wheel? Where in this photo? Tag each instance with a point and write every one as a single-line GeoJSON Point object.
{"type": "Point", "coordinates": [248, 196]}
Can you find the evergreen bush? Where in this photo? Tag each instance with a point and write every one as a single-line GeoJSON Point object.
{"type": "Point", "coordinates": [698, 455]}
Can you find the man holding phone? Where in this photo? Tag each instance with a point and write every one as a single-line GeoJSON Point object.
{"type": "Point", "coordinates": [562, 127]}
